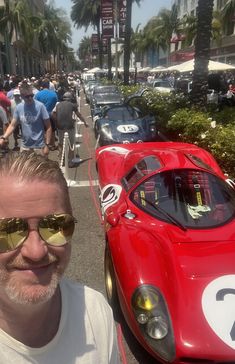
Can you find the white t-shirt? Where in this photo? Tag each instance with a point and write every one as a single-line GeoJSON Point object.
{"type": "Point", "coordinates": [86, 333]}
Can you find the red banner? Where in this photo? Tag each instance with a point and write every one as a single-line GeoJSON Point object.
{"type": "Point", "coordinates": [107, 18]}
{"type": "Point", "coordinates": [95, 43]}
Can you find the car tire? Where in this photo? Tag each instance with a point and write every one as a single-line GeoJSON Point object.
{"type": "Point", "coordinates": [110, 281]}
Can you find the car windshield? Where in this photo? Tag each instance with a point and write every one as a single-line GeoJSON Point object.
{"type": "Point", "coordinates": [195, 199]}
{"type": "Point", "coordinates": [105, 90]}
{"type": "Point", "coordinates": [162, 84]}
{"type": "Point", "coordinates": [121, 114]}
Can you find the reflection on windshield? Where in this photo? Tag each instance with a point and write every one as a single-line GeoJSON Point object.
{"type": "Point", "coordinates": [196, 199]}
{"type": "Point", "coordinates": [123, 114]}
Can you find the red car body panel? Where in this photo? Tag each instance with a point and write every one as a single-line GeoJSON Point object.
{"type": "Point", "coordinates": [183, 265]}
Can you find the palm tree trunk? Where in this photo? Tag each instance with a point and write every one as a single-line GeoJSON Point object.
{"type": "Point", "coordinates": [127, 51]}
{"type": "Point", "coordinates": [202, 52]}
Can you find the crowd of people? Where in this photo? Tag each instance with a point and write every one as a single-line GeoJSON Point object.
{"type": "Point", "coordinates": [31, 109]}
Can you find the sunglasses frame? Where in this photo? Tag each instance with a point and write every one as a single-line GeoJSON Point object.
{"type": "Point", "coordinates": [46, 219]}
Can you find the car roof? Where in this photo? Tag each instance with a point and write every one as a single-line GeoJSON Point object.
{"type": "Point", "coordinates": [171, 154]}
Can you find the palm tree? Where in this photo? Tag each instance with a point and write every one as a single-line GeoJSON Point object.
{"type": "Point", "coordinates": [154, 38]}
{"type": "Point", "coordinates": [202, 52]}
{"type": "Point", "coordinates": [84, 50]}
{"type": "Point", "coordinates": [53, 32]}
{"type": "Point", "coordinates": [189, 28]}
{"type": "Point", "coordinates": [85, 13]}
{"type": "Point", "coordinates": [228, 12]}
{"type": "Point", "coordinates": [168, 24]}
{"type": "Point", "coordinates": [14, 19]}
{"type": "Point", "coordinates": [137, 43]}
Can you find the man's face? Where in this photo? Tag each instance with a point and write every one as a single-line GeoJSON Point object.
{"type": "Point", "coordinates": [27, 96]}
{"type": "Point", "coordinates": [30, 273]}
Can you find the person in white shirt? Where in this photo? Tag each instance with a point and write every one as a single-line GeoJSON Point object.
{"type": "Point", "coordinates": [45, 318]}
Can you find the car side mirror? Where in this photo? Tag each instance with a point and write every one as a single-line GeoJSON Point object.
{"type": "Point", "coordinates": [112, 218]}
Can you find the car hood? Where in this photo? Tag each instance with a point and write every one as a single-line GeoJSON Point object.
{"type": "Point", "coordinates": [197, 279]}
{"type": "Point", "coordinates": [205, 286]}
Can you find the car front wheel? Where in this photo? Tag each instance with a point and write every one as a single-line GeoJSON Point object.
{"type": "Point", "coordinates": [110, 281]}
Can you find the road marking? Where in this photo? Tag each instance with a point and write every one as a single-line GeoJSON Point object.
{"type": "Point", "coordinates": [83, 183]}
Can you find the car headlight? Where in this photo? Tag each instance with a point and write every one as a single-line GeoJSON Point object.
{"type": "Point", "coordinates": [153, 128]}
{"type": "Point", "coordinates": [151, 313]}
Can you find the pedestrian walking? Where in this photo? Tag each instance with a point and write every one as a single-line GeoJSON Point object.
{"type": "Point", "coordinates": [34, 121]}
{"type": "Point", "coordinates": [45, 318]}
{"type": "Point", "coordinates": [14, 102]}
{"type": "Point", "coordinates": [49, 99]}
{"type": "Point", "coordinates": [3, 125]}
{"type": "Point", "coordinates": [4, 100]}
{"type": "Point", "coordinates": [63, 115]}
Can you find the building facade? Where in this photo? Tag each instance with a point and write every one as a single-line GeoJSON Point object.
{"type": "Point", "coordinates": [15, 55]}
{"type": "Point", "coordinates": [225, 52]}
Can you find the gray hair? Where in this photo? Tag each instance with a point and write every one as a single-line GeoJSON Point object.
{"type": "Point", "coordinates": [28, 166]}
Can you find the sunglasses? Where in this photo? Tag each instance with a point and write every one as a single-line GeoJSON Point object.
{"type": "Point", "coordinates": [55, 230]}
{"type": "Point", "coordinates": [27, 96]}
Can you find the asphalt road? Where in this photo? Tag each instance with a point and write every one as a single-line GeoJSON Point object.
{"type": "Point", "coordinates": [87, 262]}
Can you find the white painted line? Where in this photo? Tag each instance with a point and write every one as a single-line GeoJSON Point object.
{"type": "Point", "coordinates": [83, 183]}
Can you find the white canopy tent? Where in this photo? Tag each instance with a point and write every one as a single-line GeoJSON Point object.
{"type": "Point", "coordinates": [158, 69]}
{"type": "Point", "coordinates": [189, 66]}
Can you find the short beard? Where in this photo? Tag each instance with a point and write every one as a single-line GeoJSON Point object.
{"type": "Point", "coordinates": [25, 295]}
{"type": "Point", "coordinates": [30, 294]}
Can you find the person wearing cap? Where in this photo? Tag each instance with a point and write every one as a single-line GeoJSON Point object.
{"type": "Point", "coordinates": [34, 121]}
{"type": "Point", "coordinates": [63, 114]}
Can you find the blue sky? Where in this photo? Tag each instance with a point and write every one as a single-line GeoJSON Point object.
{"type": "Point", "coordinates": [141, 14]}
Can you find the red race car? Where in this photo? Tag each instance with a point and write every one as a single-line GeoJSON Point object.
{"type": "Point", "coordinates": [169, 219]}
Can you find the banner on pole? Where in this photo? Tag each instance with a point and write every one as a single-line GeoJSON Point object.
{"type": "Point", "coordinates": [122, 18]}
{"type": "Point", "coordinates": [107, 18]}
{"type": "Point", "coordinates": [95, 44]}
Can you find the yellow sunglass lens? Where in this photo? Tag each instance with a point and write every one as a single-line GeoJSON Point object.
{"type": "Point", "coordinates": [57, 230]}
{"type": "Point", "coordinates": [13, 232]}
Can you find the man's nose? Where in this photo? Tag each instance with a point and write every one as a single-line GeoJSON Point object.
{"type": "Point", "coordinates": [34, 247]}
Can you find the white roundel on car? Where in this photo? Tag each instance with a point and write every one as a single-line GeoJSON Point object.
{"type": "Point", "coordinates": [129, 128]}
{"type": "Point", "coordinates": [117, 150]}
{"type": "Point", "coordinates": [218, 304]}
{"type": "Point", "coordinates": [110, 195]}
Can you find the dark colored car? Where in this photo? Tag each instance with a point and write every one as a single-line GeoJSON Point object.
{"type": "Point", "coordinates": [104, 95]}
{"type": "Point", "coordinates": [129, 122]}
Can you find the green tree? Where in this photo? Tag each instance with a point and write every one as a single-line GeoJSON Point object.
{"type": "Point", "coordinates": [86, 13]}
{"type": "Point", "coordinates": [168, 23]}
{"type": "Point", "coordinates": [84, 51]}
{"type": "Point", "coordinates": [53, 31]}
{"type": "Point", "coordinates": [14, 19]}
{"type": "Point", "coordinates": [189, 28]}
{"type": "Point", "coordinates": [154, 38]}
{"type": "Point", "coordinates": [228, 12]}
{"type": "Point", "coordinates": [202, 52]}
